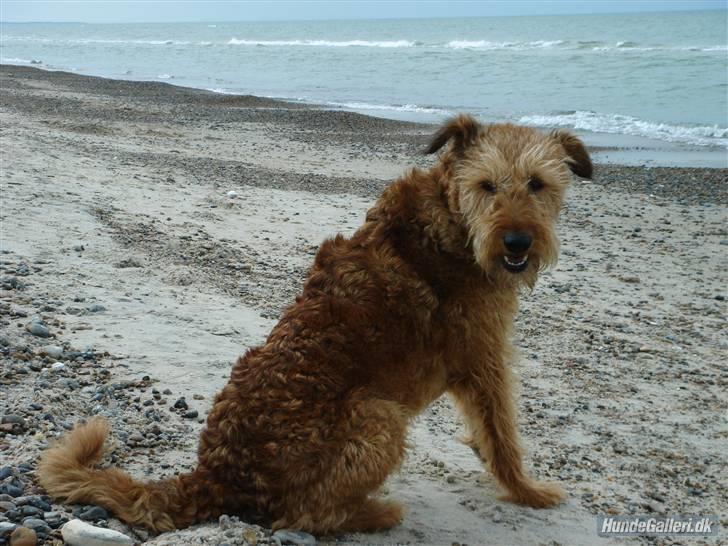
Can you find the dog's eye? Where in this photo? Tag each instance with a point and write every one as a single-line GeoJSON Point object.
{"type": "Point", "coordinates": [488, 186]}
{"type": "Point", "coordinates": [534, 184]}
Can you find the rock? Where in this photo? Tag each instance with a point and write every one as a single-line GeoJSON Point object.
{"type": "Point", "coordinates": [53, 351]}
{"type": "Point", "coordinates": [232, 194]}
{"type": "Point", "coordinates": [181, 404]}
{"type": "Point", "coordinates": [31, 512]}
{"type": "Point", "coordinates": [22, 536]}
{"type": "Point", "coordinates": [78, 248]}
{"type": "Point", "coordinates": [57, 366]}
{"type": "Point", "coordinates": [38, 525]}
{"type": "Point", "coordinates": [54, 519]}
{"type": "Point", "coordinates": [192, 414]}
{"type": "Point", "coordinates": [6, 528]}
{"type": "Point", "coordinates": [11, 489]}
{"type": "Point", "coordinates": [12, 419]}
{"type": "Point", "coordinates": [95, 308]}
{"type": "Point", "coordinates": [94, 513]}
{"type": "Point", "coordinates": [5, 472]}
{"type": "Point", "coordinates": [38, 329]}
{"type": "Point", "coordinates": [34, 500]}
{"type": "Point", "coordinates": [136, 437]}
{"type": "Point", "coordinates": [79, 533]}
{"type": "Point", "coordinates": [298, 538]}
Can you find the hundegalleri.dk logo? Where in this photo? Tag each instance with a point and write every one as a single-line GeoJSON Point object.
{"type": "Point", "coordinates": [649, 525]}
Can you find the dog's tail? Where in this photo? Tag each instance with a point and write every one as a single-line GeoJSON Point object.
{"type": "Point", "coordinates": [66, 472]}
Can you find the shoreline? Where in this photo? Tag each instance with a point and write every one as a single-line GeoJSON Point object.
{"type": "Point", "coordinates": [608, 148]}
{"type": "Point", "coordinates": [119, 238]}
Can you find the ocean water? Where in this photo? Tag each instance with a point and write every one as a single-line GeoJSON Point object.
{"type": "Point", "coordinates": [661, 76]}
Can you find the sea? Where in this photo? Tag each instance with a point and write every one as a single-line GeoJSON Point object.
{"type": "Point", "coordinates": [660, 76]}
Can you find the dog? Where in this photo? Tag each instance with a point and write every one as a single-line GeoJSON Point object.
{"type": "Point", "coordinates": [420, 301]}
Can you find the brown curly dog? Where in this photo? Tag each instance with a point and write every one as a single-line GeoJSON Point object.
{"type": "Point", "coordinates": [419, 301]}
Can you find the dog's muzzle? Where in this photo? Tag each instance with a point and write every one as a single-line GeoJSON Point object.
{"type": "Point", "coordinates": [517, 244]}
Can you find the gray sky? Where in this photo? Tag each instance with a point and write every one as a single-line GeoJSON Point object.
{"type": "Point", "coordinates": [178, 11]}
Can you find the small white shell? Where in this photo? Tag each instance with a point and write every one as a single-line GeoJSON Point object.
{"type": "Point", "coordinates": [232, 194]}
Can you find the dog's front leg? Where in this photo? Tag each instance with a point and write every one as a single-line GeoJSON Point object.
{"type": "Point", "coordinates": [485, 397]}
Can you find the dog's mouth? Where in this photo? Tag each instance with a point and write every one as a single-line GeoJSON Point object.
{"type": "Point", "coordinates": [515, 263]}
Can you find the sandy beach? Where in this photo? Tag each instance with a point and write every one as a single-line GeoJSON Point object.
{"type": "Point", "coordinates": [131, 281]}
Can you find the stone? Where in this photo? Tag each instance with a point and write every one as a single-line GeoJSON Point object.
{"type": "Point", "coordinates": [297, 538]}
{"type": "Point", "coordinates": [94, 513]}
{"type": "Point", "coordinates": [38, 329]}
{"type": "Point", "coordinates": [13, 420]}
{"type": "Point", "coordinates": [22, 536]}
{"type": "Point", "coordinates": [95, 308]}
{"type": "Point", "coordinates": [191, 414]}
{"type": "Point", "coordinates": [5, 472]}
{"type": "Point", "coordinates": [232, 194]}
{"type": "Point", "coordinates": [6, 528]}
{"type": "Point", "coordinates": [181, 404]}
{"type": "Point", "coordinates": [80, 533]}
{"type": "Point", "coordinates": [38, 525]}
{"type": "Point", "coordinates": [53, 351]}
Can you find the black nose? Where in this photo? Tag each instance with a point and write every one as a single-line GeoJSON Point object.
{"type": "Point", "coordinates": [517, 241]}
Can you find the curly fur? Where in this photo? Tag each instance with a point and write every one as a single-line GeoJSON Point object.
{"type": "Point", "coordinates": [415, 304]}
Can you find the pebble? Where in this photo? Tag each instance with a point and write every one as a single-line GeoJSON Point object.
{"type": "Point", "coordinates": [94, 513]}
{"type": "Point", "coordinates": [232, 194]}
{"type": "Point", "coordinates": [54, 351]}
{"type": "Point", "coordinates": [13, 420]}
{"type": "Point", "coordinates": [6, 528]}
{"type": "Point", "coordinates": [181, 404]}
{"type": "Point", "coordinates": [38, 329]}
{"type": "Point", "coordinates": [5, 472]}
{"type": "Point", "coordinates": [80, 533]}
{"type": "Point", "coordinates": [192, 414]}
{"type": "Point", "coordinates": [22, 536]}
{"type": "Point", "coordinates": [298, 538]}
{"type": "Point", "coordinates": [38, 525]}
{"type": "Point", "coordinates": [95, 308]}
{"type": "Point", "coordinates": [57, 366]}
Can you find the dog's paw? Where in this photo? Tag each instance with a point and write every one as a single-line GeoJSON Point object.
{"type": "Point", "coordinates": [537, 494]}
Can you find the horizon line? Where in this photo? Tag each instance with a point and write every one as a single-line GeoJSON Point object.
{"type": "Point", "coordinates": [725, 8]}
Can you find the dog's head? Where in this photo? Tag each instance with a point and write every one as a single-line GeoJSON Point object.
{"type": "Point", "coordinates": [506, 183]}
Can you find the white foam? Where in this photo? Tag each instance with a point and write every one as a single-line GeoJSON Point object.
{"type": "Point", "coordinates": [165, 76]}
{"type": "Point", "coordinates": [485, 44]}
{"type": "Point", "coordinates": [323, 43]}
{"type": "Point", "coordinates": [15, 60]}
{"type": "Point", "coordinates": [700, 135]}
{"type": "Point", "coordinates": [413, 108]}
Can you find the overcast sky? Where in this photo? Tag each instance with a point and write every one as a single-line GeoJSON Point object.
{"type": "Point", "coordinates": [178, 11]}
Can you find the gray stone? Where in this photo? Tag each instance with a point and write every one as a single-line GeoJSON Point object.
{"type": "Point", "coordinates": [38, 525]}
{"type": "Point", "coordinates": [6, 528]}
{"type": "Point", "coordinates": [94, 513]}
{"type": "Point", "coordinates": [95, 308]}
{"type": "Point", "coordinates": [54, 351]}
{"type": "Point", "coordinates": [298, 538]}
{"type": "Point", "coordinates": [38, 329]}
{"type": "Point", "coordinates": [12, 419]}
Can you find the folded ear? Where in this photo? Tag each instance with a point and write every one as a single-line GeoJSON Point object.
{"type": "Point", "coordinates": [578, 157]}
{"type": "Point", "coordinates": [463, 130]}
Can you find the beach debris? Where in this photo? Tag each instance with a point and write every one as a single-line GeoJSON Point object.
{"type": "Point", "coordinates": [232, 194]}
{"type": "Point", "coordinates": [80, 533]}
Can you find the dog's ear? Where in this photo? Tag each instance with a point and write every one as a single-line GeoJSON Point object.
{"type": "Point", "coordinates": [578, 157]}
{"type": "Point", "coordinates": [463, 129]}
